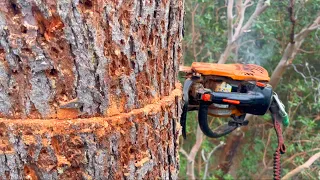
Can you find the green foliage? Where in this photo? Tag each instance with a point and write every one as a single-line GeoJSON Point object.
{"type": "Point", "coordinates": [228, 177]}
{"type": "Point", "coordinates": [183, 166]}
{"type": "Point", "coordinates": [307, 122]}
{"type": "Point", "coordinates": [219, 173]}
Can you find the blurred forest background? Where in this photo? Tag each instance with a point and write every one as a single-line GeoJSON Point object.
{"type": "Point", "coordinates": [259, 32]}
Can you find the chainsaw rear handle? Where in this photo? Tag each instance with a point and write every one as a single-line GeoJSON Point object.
{"type": "Point", "coordinates": [256, 101]}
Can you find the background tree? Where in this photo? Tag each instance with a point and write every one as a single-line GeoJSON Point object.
{"type": "Point", "coordinates": [88, 89]}
{"type": "Point", "coordinates": [259, 32]}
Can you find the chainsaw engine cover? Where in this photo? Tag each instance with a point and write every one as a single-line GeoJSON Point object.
{"type": "Point", "coordinates": [234, 71]}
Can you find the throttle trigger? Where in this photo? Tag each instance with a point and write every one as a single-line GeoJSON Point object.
{"type": "Point", "coordinates": [238, 124]}
{"type": "Point", "coordinates": [238, 121]}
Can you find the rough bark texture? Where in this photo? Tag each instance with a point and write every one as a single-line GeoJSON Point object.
{"type": "Point", "coordinates": [136, 145]}
{"type": "Point", "coordinates": [117, 61]}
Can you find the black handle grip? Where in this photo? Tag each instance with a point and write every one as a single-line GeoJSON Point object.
{"type": "Point", "coordinates": [183, 119]}
{"type": "Point", "coordinates": [204, 126]}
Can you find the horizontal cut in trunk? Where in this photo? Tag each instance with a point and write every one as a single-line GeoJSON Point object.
{"type": "Point", "coordinates": [135, 145]}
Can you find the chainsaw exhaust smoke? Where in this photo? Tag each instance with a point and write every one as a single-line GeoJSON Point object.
{"type": "Point", "coordinates": [255, 49]}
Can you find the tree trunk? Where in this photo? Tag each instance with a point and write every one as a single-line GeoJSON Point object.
{"type": "Point", "coordinates": [89, 89]}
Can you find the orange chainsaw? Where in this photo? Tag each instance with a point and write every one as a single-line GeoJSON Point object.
{"type": "Point", "coordinates": [231, 90]}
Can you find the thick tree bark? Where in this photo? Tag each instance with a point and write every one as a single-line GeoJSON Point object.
{"type": "Point", "coordinates": [89, 89]}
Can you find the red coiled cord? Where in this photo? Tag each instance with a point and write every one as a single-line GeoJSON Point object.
{"type": "Point", "coordinates": [277, 165]}
{"type": "Point", "coordinates": [280, 150]}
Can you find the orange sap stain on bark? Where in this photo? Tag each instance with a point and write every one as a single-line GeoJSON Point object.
{"type": "Point", "coordinates": [67, 113]}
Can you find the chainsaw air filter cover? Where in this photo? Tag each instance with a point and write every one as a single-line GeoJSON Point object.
{"type": "Point", "coordinates": [248, 72]}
